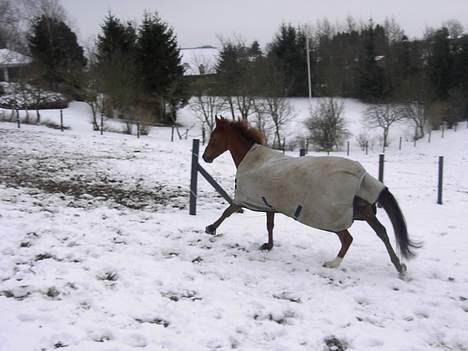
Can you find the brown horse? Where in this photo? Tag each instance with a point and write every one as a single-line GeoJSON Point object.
{"type": "Point", "coordinates": [237, 138]}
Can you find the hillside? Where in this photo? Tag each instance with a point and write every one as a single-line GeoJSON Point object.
{"type": "Point", "coordinates": [98, 251]}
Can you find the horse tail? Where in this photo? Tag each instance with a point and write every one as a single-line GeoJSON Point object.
{"type": "Point", "coordinates": [390, 205]}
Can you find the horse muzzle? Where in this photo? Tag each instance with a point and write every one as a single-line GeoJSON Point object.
{"type": "Point", "coordinates": [207, 159]}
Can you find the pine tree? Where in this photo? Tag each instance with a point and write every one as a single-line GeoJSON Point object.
{"type": "Point", "coordinates": [370, 75]}
{"type": "Point", "coordinates": [159, 65]}
{"type": "Point", "coordinates": [287, 52]}
{"type": "Point", "coordinates": [439, 63]}
{"type": "Point", "coordinates": [54, 47]}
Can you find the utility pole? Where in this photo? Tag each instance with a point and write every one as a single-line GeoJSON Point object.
{"type": "Point", "coordinates": [308, 69]}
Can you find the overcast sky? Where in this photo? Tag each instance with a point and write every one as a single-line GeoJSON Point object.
{"type": "Point", "coordinates": [201, 22]}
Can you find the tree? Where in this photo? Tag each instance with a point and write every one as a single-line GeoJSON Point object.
{"type": "Point", "coordinates": [370, 75]}
{"type": "Point", "coordinates": [112, 70]}
{"type": "Point", "coordinates": [159, 66]}
{"type": "Point", "coordinates": [439, 62]}
{"type": "Point", "coordinates": [415, 112]}
{"type": "Point", "coordinates": [383, 116]}
{"type": "Point", "coordinates": [326, 125]}
{"type": "Point", "coordinates": [54, 46]}
{"type": "Point", "coordinates": [287, 53]}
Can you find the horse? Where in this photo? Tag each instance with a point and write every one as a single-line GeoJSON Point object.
{"type": "Point", "coordinates": [337, 179]}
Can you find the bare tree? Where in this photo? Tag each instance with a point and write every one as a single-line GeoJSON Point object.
{"type": "Point", "coordinates": [326, 125]}
{"type": "Point", "coordinates": [415, 112]}
{"type": "Point", "coordinates": [279, 112]}
{"type": "Point", "coordinates": [454, 27]}
{"type": "Point", "coordinates": [383, 116]}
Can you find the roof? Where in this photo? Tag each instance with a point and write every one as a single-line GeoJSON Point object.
{"type": "Point", "coordinates": [13, 58]}
{"type": "Point", "coordinates": [199, 61]}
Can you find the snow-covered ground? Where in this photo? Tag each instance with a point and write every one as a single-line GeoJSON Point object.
{"type": "Point", "coordinates": [98, 252]}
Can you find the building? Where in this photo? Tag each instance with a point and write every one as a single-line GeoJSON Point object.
{"type": "Point", "coordinates": [10, 63]}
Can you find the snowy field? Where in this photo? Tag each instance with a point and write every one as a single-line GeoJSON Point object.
{"type": "Point", "coordinates": [98, 252]}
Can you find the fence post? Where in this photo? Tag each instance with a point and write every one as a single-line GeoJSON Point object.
{"type": "Point", "coordinates": [138, 129]}
{"type": "Point", "coordinates": [172, 133]}
{"type": "Point", "coordinates": [194, 177]}
{"type": "Point", "coordinates": [367, 147]}
{"type": "Point", "coordinates": [441, 176]}
{"type": "Point", "coordinates": [399, 146]}
{"type": "Point", "coordinates": [381, 167]}
{"type": "Point", "coordinates": [61, 120]}
{"type": "Point", "coordinates": [347, 148]}
{"type": "Point", "coordinates": [203, 132]}
{"type": "Point", "coordinates": [302, 152]}
{"type": "Point", "coordinates": [18, 119]}
{"type": "Point", "coordinates": [414, 141]}
{"type": "Point", "coordinates": [455, 126]}
{"type": "Point", "coordinates": [429, 137]}
{"type": "Point", "coordinates": [102, 123]}
{"type": "Point", "coordinates": [443, 129]}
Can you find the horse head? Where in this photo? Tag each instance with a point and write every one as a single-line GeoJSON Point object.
{"type": "Point", "coordinates": [218, 143]}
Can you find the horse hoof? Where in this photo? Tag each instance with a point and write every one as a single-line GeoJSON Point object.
{"type": "Point", "coordinates": [210, 230]}
{"type": "Point", "coordinates": [266, 247]}
{"type": "Point", "coordinates": [403, 270]}
{"type": "Point", "coordinates": [333, 263]}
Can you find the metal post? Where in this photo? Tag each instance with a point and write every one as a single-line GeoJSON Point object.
{"type": "Point", "coordinates": [347, 148]}
{"type": "Point", "coordinates": [455, 125]}
{"type": "Point", "coordinates": [302, 152]}
{"type": "Point", "coordinates": [194, 177]}
{"type": "Point", "coordinates": [18, 119]}
{"type": "Point", "coordinates": [367, 147]}
{"type": "Point", "coordinates": [172, 133]}
{"type": "Point", "coordinates": [138, 129]}
{"type": "Point", "coordinates": [203, 132]}
{"type": "Point", "coordinates": [429, 137]}
{"type": "Point", "coordinates": [399, 147]}
{"type": "Point", "coordinates": [441, 175]}
{"type": "Point", "coordinates": [381, 167]}
{"type": "Point", "coordinates": [443, 129]}
{"type": "Point", "coordinates": [61, 120]}
{"type": "Point", "coordinates": [102, 123]}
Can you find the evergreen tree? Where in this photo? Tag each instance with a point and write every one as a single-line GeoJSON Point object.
{"type": "Point", "coordinates": [159, 64]}
{"type": "Point", "coordinates": [371, 76]}
{"type": "Point", "coordinates": [287, 52]}
{"type": "Point", "coordinates": [54, 47]}
{"type": "Point", "coordinates": [439, 63]}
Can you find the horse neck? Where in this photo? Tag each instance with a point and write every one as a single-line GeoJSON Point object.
{"type": "Point", "coordinates": [238, 147]}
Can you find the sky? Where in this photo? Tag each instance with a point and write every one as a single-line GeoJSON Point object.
{"type": "Point", "coordinates": [203, 22]}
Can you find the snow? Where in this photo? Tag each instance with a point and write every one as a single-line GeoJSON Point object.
{"type": "Point", "coordinates": [192, 58]}
{"type": "Point", "coordinates": [13, 58]}
{"type": "Point", "coordinates": [98, 252]}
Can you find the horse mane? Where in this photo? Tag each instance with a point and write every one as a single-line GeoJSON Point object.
{"type": "Point", "coordinates": [252, 134]}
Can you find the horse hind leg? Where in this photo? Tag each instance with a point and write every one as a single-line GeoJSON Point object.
{"type": "Point", "coordinates": [346, 239]}
{"type": "Point", "coordinates": [382, 234]}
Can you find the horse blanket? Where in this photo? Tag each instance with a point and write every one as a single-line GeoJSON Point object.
{"type": "Point", "coordinates": [316, 191]}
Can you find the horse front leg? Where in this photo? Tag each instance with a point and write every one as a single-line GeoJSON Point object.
{"type": "Point", "coordinates": [346, 239]}
{"type": "Point", "coordinates": [270, 224]}
{"type": "Point", "coordinates": [211, 229]}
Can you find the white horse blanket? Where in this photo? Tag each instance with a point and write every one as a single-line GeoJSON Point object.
{"type": "Point", "coordinates": [316, 191]}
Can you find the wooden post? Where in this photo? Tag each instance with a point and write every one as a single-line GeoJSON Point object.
{"type": "Point", "coordinates": [381, 167]}
{"type": "Point", "coordinates": [302, 152]}
{"type": "Point", "coordinates": [194, 177]}
{"type": "Point", "coordinates": [347, 148]}
{"type": "Point", "coordinates": [441, 176]}
{"type": "Point", "coordinates": [61, 120]}
{"type": "Point", "coordinates": [102, 123]}
{"type": "Point", "coordinates": [399, 147]}
{"type": "Point", "coordinates": [18, 119]}
{"type": "Point", "coordinates": [138, 129]}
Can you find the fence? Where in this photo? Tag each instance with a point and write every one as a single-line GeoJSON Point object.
{"type": "Point", "coordinates": [197, 168]}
